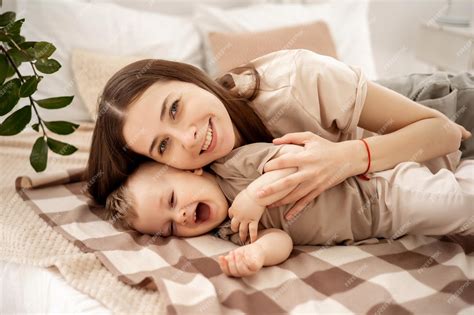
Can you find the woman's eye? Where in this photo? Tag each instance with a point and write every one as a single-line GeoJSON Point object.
{"type": "Point", "coordinates": [162, 146]}
{"type": "Point", "coordinates": [174, 109]}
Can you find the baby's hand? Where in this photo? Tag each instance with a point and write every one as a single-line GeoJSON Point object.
{"type": "Point", "coordinates": [243, 261]}
{"type": "Point", "coordinates": [245, 213]}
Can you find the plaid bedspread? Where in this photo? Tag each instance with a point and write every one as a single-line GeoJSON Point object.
{"type": "Point", "coordinates": [408, 275]}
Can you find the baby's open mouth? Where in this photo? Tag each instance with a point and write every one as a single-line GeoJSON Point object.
{"type": "Point", "coordinates": [202, 212]}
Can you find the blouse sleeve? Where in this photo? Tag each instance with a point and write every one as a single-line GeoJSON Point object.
{"type": "Point", "coordinates": [335, 90]}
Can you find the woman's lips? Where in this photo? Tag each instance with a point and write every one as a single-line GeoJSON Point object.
{"type": "Point", "coordinates": [214, 138]}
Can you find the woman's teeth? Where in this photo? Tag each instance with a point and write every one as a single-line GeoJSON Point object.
{"type": "Point", "coordinates": [195, 216]}
{"type": "Point", "coordinates": [208, 138]}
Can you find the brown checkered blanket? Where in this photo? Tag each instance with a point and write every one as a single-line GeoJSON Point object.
{"type": "Point", "coordinates": [408, 275]}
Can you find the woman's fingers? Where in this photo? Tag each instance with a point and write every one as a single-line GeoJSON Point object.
{"type": "Point", "coordinates": [281, 184]}
{"type": "Point", "coordinates": [465, 133]}
{"type": "Point", "coordinates": [280, 202]}
{"type": "Point", "coordinates": [299, 192]}
{"type": "Point", "coordinates": [295, 138]}
{"type": "Point", "coordinates": [301, 204]}
{"type": "Point", "coordinates": [284, 161]}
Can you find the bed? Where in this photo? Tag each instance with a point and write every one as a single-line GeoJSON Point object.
{"type": "Point", "coordinates": [46, 270]}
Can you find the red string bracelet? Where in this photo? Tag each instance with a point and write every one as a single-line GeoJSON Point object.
{"type": "Point", "coordinates": [363, 176]}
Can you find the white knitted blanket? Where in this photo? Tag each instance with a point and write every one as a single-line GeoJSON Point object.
{"type": "Point", "coordinates": [26, 239]}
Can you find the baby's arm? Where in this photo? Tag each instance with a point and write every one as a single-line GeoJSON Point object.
{"type": "Point", "coordinates": [272, 247]}
{"type": "Point", "coordinates": [247, 209]}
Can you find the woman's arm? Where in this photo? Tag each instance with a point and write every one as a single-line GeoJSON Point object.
{"type": "Point", "coordinates": [409, 131]}
{"type": "Point", "coordinates": [272, 247]}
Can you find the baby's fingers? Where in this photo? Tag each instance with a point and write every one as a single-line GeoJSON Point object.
{"type": "Point", "coordinates": [224, 266]}
{"type": "Point", "coordinates": [234, 224]}
{"type": "Point", "coordinates": [241, 264]}
{"type": "Point", "coordinates": [253, 230]}
{"type": "Point", "coordinates": [232, 264]}
{"type": "Point", "coordinates": [243, 232]}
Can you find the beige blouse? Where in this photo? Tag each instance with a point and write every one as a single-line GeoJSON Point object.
{"type": "Point", "coordinates": [301, 90]}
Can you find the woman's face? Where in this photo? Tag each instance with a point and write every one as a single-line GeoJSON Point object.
{"type": "Point", "coordinates": [179, 124]}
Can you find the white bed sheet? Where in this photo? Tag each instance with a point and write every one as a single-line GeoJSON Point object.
{"type": "Point", "coordinates": [26, 289]}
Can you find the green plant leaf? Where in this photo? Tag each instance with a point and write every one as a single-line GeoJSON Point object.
{"type": "Point", "coordinates": [9, 95]}
{"type": "Point", "coordinates": [35, 127]}
{"type": "Point", "coordinates": [19, 56]}
{"type": "Point", "coordinates": [3, 36]}
{"type": "Point", "coordinates": [47, 65]}
{"type": "Point", "coordinates": [61, 147]}
{"type": "Point", "coordinates": [4, 67]}
{"type": "Point", "coordinates": [43, 50]}
{"type": "Point", "coordinates": [7, 17]}
{"type": "Point", "coordinates": [17, 59]}
{"type": "Point", "coordinates": [61, 127]}
{"type": "Point", "coordinates": [16, 122]}
{"type": "Point", "coordinates": [26, 45]}
{"type": "Point", "coordinates": [39, 155]}
{"type": "Point", "coordinates": [55, 102]}
{"type": "Point", "coordinates": [29, 86]}
{"type": "Point", "coordinates": [15, 28]}
{"type": "Point", "coordinates": [9, 68]}
{"type": "Point", "coordinates": [17, 38]}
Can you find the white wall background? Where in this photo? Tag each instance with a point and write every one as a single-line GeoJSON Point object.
{"type": "Point", "coordinates": [393, 25]}
{"type": "Point", "coordinates": [394, 31]}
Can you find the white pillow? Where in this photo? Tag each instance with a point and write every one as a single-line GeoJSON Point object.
{"type": "Point", "coordinates": [104, 28]}
{"type": "Point", "coordinates": [347, 20]}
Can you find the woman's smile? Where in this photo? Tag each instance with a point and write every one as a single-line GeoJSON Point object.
{"type": "Point", "coordinates": [210, 139]}
{"type": "Point", "coordinates": [196, 132]}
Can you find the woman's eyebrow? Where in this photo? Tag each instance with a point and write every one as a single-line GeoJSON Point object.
{"type": "Point", "coordinates": [153, 143]}
{"type": "Point", "coordinates": [162, 113]}
{"type": "Point", "coordinates": [163, 107]}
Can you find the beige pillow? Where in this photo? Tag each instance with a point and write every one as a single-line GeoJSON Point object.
{"type": "Point", "coordinates": [91, 71]}
{"type": "Point", "coordinates": [234, 49]}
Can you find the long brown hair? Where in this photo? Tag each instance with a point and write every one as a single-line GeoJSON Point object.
{"type": "Point", "coordinates": [111, 161]}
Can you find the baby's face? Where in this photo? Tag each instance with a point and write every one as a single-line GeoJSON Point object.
{"type": "Point", "coordinates": [169, 201]}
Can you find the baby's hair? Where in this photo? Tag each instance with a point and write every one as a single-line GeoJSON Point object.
{"type": "Point", "coordinates": [119, 206]}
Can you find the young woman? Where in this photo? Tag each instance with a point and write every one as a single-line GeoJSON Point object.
{"type": "Point", "coordinates": [174, 113]}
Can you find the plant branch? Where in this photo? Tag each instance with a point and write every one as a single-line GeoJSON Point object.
{"type": "Point", "coordinates": [40, 121]}
{"type": "Point", "coordinates": [19, 48]}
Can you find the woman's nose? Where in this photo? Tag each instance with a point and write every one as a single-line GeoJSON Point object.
{"type": "Point", "coordinates": [190, 138]}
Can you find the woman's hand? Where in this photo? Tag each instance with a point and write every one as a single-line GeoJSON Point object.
{"type": "Point", "coordinates": [322, 165]}
{"type": "Point", "coordinates": [242, 261]}
{"type": "Point", "coordinates": [465, 134]}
